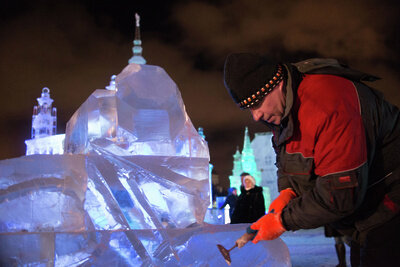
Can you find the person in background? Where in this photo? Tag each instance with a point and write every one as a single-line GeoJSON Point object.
{"type": "Point", "coordinates": [217, 191]}
{"type": "Point", "coordinates": [340, 247]}
{"type": "Point", "coordinates": [230, 200]}
{"type": "Point", "coordinates": [250, 204]}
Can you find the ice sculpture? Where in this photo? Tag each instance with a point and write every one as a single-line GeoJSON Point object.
{"type": "Point", "coordinates": [146, 142]}
{"type": "Point", "coordinates": [132, 189]}
{"type": "Point", "coordinates": [144, 116]}
{"type": "Point", "coordinates": [44, 128]}
{"type": "Point", "coordinates": [44, 118]}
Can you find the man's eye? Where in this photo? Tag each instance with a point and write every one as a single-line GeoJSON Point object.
{"type": "Point", "coordinates": [255, 105]}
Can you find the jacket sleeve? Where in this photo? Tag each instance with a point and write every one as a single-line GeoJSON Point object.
{"type": "Point", "coordinates": [332, 198]}
{"type": "Point", "coordinates": [226, 202]}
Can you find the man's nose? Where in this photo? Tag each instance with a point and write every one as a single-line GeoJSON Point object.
{"type": "Point", "coordinates": [256, 114]}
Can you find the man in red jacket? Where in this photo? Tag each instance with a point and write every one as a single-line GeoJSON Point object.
{"type": "Point", "coordinates": [337, 143]}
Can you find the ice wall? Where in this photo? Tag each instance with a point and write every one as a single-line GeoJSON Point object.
{"type": "Point", "coordinates": [43, 193]}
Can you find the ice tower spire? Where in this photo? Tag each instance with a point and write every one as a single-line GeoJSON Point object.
{"type": "Point", "coordinates": [112, 85]}
{"type": "Point", "coordinates": [44, 118]}
{"type": "Point", "coordinates": [137, 44]}
{"type": "Point", "coordinates": [237, 163]}
{"type": "Point", "coordinates": [248, 159]}
{"type": "Point", "coordinates": [44, 139]}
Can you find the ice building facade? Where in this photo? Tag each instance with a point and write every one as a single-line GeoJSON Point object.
{"type": "Point", "coordinates": [265, 158]}
{"type": "Point", "coordinates": [44, 138]}
{"type": "Point", "coordinates": [251, 162]}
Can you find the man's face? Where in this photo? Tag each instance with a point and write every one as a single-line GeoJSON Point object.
{"type": "Point", "coordinates": [272, 108]}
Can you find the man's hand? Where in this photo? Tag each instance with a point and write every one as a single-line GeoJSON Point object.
{"type": "Point", "coordinates": [244, 239]}
{"type": "Point", "coordinates": [282, 200]}
{"type": "Point", "coordinates": [269, 227]}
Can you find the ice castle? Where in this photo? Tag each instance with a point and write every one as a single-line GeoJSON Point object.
{"type": "Point", "coordinates": [44, 137]}
{"type": "Point", "coordinates": [258, 159]}
{"type": "Point", "coordinates": [131, 188]}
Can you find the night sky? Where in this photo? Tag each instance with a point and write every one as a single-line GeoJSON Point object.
{"type": "Point", "coordinates": [73, 47]}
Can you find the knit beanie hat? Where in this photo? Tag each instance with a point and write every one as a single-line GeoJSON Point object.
{"type": "Point", "coordinates": [250, 77]}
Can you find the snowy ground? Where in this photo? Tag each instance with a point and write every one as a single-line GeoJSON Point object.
{"type": "Point", "coordinates": [310, 248]}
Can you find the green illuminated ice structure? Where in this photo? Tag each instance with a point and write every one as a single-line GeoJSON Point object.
{"type": "Point", "coordinates": [246, 162]}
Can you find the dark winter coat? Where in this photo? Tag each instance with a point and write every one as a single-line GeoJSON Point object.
{"type": "Point", "coordinates": [249, 206]}
{"type": "Point", "coordinates": [338, 147]}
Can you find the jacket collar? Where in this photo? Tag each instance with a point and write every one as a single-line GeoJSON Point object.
{"type": "Point", "coordinates": [284, 131]}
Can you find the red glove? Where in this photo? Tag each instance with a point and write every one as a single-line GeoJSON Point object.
{"type": "Point", "coordinates": [282, 200]}
{"type": "Point", "coordinates": [269, 227]}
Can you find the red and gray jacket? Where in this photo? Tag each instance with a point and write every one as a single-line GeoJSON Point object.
{"type": "Point", "coordinates": [338, 148]}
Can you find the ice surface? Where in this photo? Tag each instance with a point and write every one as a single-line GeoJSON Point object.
{"type": "Point", "coordinates": [73, 210]}
{"type": "Point", "coordinates": [42, 193]}
{"type": "Point", "coordinates": [132, 189]}
{"type": "Point", "coordinates": [192, 247]}
{"type": "Point", "coordinates": [58, 192]}
{"type": "Point", "coordinates": [149, 191]}
{"type": "Point", "coordinates": [51, 145]}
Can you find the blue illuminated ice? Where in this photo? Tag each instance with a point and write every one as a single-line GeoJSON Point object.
{"type": "Point", "coordinates": [148, 152]}
{"type": "Point", "coordinates": [131, 190]}
{"type": "Point", "coordinates": [145, 115]}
